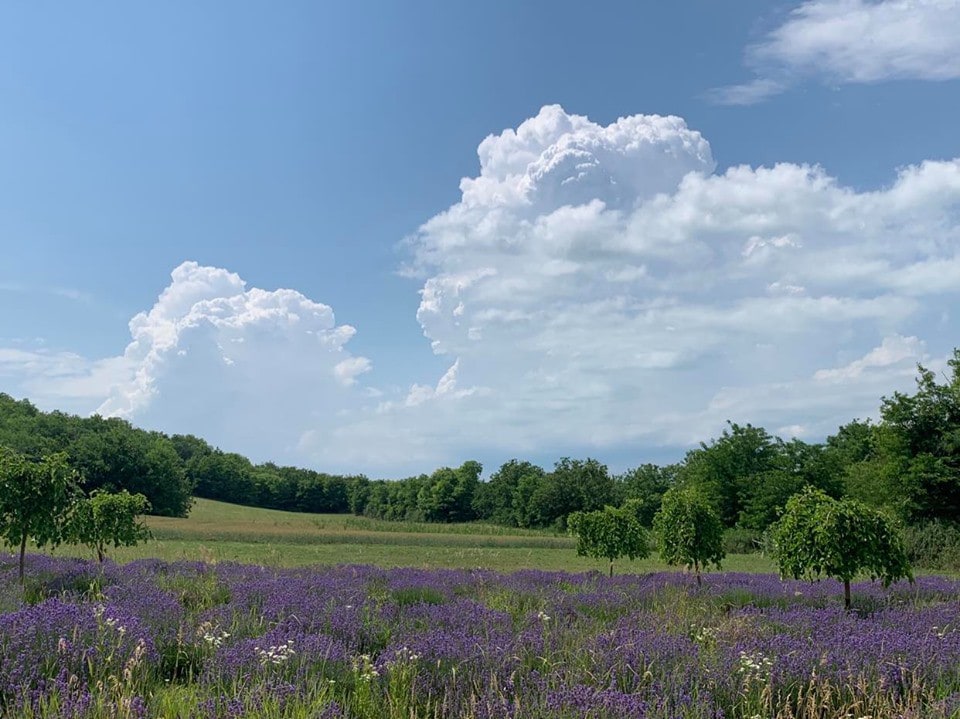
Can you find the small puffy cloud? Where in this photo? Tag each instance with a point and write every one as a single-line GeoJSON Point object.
{"type": "Point", "coordinates": [348, 370]}
{"type": "Point", "coordinates": [854, 41]}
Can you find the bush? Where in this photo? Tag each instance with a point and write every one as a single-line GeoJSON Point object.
{"type": "Point", "coordinates": [742, 541]}
{"type": "Point", "coordinates": [934, 545]}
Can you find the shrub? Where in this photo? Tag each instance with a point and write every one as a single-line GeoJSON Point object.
{"type": "Point", "coordinates": [738, 540]}
{"type": "Point", "coordinates": [933, 545]}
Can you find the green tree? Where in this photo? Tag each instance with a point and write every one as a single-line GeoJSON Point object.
{"type": "Point", "coordinates": [574, 485]}
{"type": "Point", "coordinates": [106, 518]}
{"type": "Point", "coordinates": [918, 447]}
{"type": "Point", "coordinates": [112, 455]}
{"type": "Point", "coordinates": [494, 499]}
{"type": "Point", "coordinates": [35, 500]}
{"type": "Point", "coordinates": [726, 470]}
{"type": "Point", "coordinates": [224, 476]}
{"type": "Point", "coordinates": [821, 536]}
{"type": "Point", "coordinates": [525, 510]}
{"type": "Point", "coordinates": [645, 487]}
{"type": "Point", "coordinates": [447, 496]}
{"type": "Point", "coordinates": [609, 533]}
{"type": "Point", "coordinates": [688, 530]}
{"type": "Point", "coordinates": [795, 465]}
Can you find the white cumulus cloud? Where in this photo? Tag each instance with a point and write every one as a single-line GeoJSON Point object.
{"type": "Point", "coordinates": [244, 367]}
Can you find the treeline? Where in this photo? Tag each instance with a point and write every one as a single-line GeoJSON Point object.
{"type": "Point", "coordinates": [907, 463]}
{"type": "Point", "coordinates": [111, 454]}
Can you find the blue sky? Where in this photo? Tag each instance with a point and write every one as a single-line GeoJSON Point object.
{"type": "Point", "coordinates": [604, 288]}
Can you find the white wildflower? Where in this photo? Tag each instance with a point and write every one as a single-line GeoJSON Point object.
{"type": "Point", "coordinates": [277, 654]}
{"type": "Point", "coordinates": [755, 667]}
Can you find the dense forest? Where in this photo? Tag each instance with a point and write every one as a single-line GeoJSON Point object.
{"type": "Point", "coordinates": [907, 463]}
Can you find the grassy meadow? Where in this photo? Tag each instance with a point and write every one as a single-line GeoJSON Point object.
{"type": "Point", "coordinates": [220, 532]}
{"type": "Point", "coordinates": [217, 617]}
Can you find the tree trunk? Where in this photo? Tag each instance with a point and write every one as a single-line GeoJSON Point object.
{"type": "Point", "coordinates": [100, 553]}
{"type": "Point", "coordinates": [23, 554]}
{"type": "Point", "coordinates": [696, 567]}
{"type": "Point", "coordinates": [611, 567]}
{"type": "Point", "coordinates": [846, 594]}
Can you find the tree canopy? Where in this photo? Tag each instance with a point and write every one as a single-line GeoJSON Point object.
{"type": "Point", "coordinates": [910, 461]}
{"type": "Point", "coordinates": [820, 536]}
{"type": "Point", "coordinates": [609, 533]}
{"type": "Point", "coordinates": [35, 499]}
{"type": "Point", "coordinates": [108, 518]}
{"type": "Point", "coordinates": [688, 530]}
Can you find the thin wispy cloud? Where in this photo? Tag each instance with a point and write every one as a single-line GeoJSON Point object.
{"type": "Point", "coordinates": [852, 41]}
{"type": "Point", "coordinates": [66, 292]}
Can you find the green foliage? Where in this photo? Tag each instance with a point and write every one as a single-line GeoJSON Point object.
{"type": "Point", "coordinates": [108, 453]}
{"type": "Point", "coordinates": [933, 545]}
{"type": "Point", "coordinates": [495, 499]}
{"type": "Point", "coordinates": [524, 512]}
{"type": "Point", "coordinates": [917, 451]}
{"type": "Point", "coordinates": [795, 465]}
{"type": "Point", "coordinates": [448, 494]}
{"type": "Point", "coordinates": [573, 486]}
{"type": "Point", "coordinates": [111, 455]}
{"type": "Point", "coordinates": [749, 475]}
{"type": "Point", "coordinates": [688, 530]}
{"type": "Point", "coordinates": [727, 469]}
{"type": "Point", "coordinates": [108, 518]}
{"type": "Point", "coordinates": [909, 462]}
{"type": "Point", "coordinates": [223, 475]}
{"type": "Point", "coordinates": [609, 533]}
{"type": "Point", "coordinates": [644, 488]}
{"type": "Point", "coordinates": [738, 540]}
{"type": "Point", "coordinates": [821, 536]}
{"type": "Point", "coordinates": [35, 498]}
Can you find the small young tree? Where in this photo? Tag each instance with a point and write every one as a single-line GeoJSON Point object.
{"type": "Point", "coordinates": [689, 531]}
{"type": "Point", "coordinates": [35, 500]}
{"type": "Point", "coordinates": [821, 536]}
{"type": "Point", "coordinates": [106, 518]}
{"type": "Point", "coordinates": [609, 533]}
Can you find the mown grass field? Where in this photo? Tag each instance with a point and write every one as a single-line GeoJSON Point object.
{"type": "Point", "coordinates": [220, 532]}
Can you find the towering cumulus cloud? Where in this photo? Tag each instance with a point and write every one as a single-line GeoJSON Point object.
{"type": "Point", "coordinates": [235, 364]}
{"type": "Point", "coordinates": [600, 285]}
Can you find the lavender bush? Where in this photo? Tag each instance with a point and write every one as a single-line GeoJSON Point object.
{"type": "Point", "coordinates": [202, 642]}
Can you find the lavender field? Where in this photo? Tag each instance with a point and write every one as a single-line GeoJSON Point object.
{"type": "Point", "coordinates": [193, 640]}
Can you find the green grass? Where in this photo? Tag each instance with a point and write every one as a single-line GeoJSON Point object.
{"type": "Point", "coordinates": [220, 532]}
